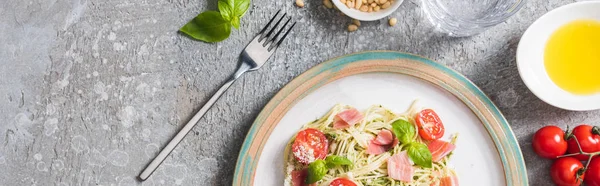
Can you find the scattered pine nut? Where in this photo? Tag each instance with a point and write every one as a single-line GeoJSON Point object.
{"type": "Point", "coordinates": [373, 4]}
{"type": "Point", "coordinates": [393, 21]}
{"type": "Point", "coordinates": [370, 9]}
{"type": "Point", "coordinates": [300, 3]}
{"type": "Point", "coordinates": [383, 1]}
{"type": "Point", "coordinates": [357, 4]}
{"type": "Point", "coordinates": [356, 22]}
{"type": "Point", "coordinates": [376, 8]}
{"type": "Point", "coordinates": [327, 3]}
{"type": "Point", "coordinates": [352, 28]}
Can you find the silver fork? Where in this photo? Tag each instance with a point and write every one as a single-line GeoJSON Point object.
{"type": "Point", "coordinates": [256, 54]}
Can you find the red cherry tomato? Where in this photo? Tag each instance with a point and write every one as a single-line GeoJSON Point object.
{"type": "Point", "coordinates": [592, 177]}
{"type": "Point", "coordinates": [588, 139]}
{"type": "Point", "coordinates": [549, 142]}
{"type": "Point", "coordinates": [567, 172]}
{"type": "Point", "coordinates": [430, 125]}
{"type": "Point", "coordinates": [310, 145]}
{"type": "Point", "coordinates": [342, 182]}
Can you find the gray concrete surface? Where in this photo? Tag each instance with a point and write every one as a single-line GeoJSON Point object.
{"type": "Point", "coordinates": [90, 89]}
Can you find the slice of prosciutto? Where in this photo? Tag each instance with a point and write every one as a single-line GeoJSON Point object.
{"type": "Point", "coordinates": [450, 180]}
{"type": "Point", "coordinates": [347, 118]}
{"type": "Point", "coordinates": [382, 142]}
{"type": "Point", "coordinates": [399, 167]}
{"type": "Point", "coordinates": [440, 149]}
{"type": "Point", "coordinates": [375, 149]}
{"type": "Point", "coordinates": [384, 137]}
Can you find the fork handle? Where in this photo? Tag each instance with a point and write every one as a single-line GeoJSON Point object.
{"type": "Point", "coordinates": [164, 153]}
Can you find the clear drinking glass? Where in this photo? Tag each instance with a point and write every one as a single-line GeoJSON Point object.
{"type": "Point", "coordinates": [460, 18]}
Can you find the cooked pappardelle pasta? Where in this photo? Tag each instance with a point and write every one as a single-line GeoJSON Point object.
{"type": "Point", "coordinates": [347, 147]}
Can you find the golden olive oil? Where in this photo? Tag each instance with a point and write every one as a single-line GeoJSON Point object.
{"type": "Point", "coordinates": [572, 57]}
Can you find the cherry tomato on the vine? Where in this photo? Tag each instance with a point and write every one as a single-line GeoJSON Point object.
{"type": "Point", "coordinates": [592, 174]}
{"type": "Point", "coordinates": [588, 139]}
{"type": "Point", "coordinates": [549, 142]}
{"type": "Point", "coordinates": [567, 171]}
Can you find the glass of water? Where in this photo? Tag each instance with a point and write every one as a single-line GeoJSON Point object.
{"type": "Point", "coordinates": [460, 18]}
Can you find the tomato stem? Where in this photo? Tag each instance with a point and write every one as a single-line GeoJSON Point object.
{"type": "Point", "coordinates": [590, 155]}
{"type": "Point", "coordinates": [596, 130]}
{"type": "Point", "coordinates": [578, 144]}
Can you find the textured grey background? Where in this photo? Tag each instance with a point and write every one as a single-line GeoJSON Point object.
{"type": "Point", "coordinates": [90, 89]}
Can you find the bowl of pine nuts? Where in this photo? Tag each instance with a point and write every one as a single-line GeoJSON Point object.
{"type": "Point", "coordinates": [367, 10]}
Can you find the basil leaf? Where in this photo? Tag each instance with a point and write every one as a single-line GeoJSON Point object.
{"type": "Point", "coordinates": [226, 10]}
{"type": "Point", "coordinates": [333, 161]}
{"type": "Point", "coordinates": [208, 26]}
{"type": "Point", "coordinates": [316, 170]}
{"type": "Point", "coordinates": [419, 153]}
{"type": "Point", "coordinates": [240, 7]}
{"type": "Point", "coordinates": [236, 22]}
{"type": "Point", "coordinates": [404, 131]}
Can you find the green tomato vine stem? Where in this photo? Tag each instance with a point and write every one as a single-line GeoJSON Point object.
{"type": "Point", "coordinates": [589, 154]}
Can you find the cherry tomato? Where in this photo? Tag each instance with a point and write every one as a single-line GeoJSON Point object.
{"type": "Point", "coordinates": [567, 171]}
{"type": "Point", "coordinates": [430, 125]}
{"type": "Point", "coordinates": [342, 182]}
{"type": "Point", "coordinates": [310, 145]}
{"type": "Point", "coordinates": [588, 139]}
{"type": "Point", "coordinates": [593, 173]}
{"type": "Point", "coordinates": [549, 142]}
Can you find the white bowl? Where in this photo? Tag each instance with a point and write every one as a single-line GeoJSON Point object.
{"type": "Point", "coordinates": [530, 56]}
{"type": "Point", "coordinates": [366, 16]}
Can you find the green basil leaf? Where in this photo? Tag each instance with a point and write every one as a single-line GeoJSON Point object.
{"type": "Point", "coordinates": [404, 131]}
{"type": "Point", "coordinates": [240, 7]}
{"type": "Point", "coordinates": [419, 153]}
{"type": "Point", "coordinates": [333, 161]}
{"type": "Point", "coordinates": [236, 22]}
{"type": "Point", "coordinates": [208, 26]}
{"type": "Point", "coordinates": [316, 171]}
{"type": "Point", "coordinates": [226, 10]}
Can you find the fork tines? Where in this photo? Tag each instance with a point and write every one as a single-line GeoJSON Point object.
{"type": "Point", "coordinates": [272, 42]}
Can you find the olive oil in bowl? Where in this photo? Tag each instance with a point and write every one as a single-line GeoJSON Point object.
{"type": "Point", "coordinates": [572, 57]}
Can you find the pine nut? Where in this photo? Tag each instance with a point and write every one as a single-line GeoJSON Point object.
{"type": "Point", "coordinates": [364, 8]}
{"type": "Point", "coordinates": [327, 3]}
{"type": "Point", "coordinates": [352, 28]}
{"type": "Point", "coordinates": [393, 21]}
{"type": "Point", "coordinates": [300, 3]}
{"type": "Point", "coordinates": [383, 1]}
{"type": "Point", "coordinates": [373, 4]}
{"type": "Point", "coordinates": [386, 5]}
{"type": "Point", "coordinates": [376, 9]}
{"type": "Point", "coordinates": [357, 4]}
{"type": "Point", "coordinates": [350, 4]}
{"type": "Point", "coordinates": [343, 1]}
{"type": "Point", "coordinates": [356, 22]}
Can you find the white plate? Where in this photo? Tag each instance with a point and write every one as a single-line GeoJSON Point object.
{"type": "Point", "coordinates": [366, 16]}
{"type": "Point", "coordinates": [396, 92]}
{"type": "Point", "coordinates": [530, 56]}
{"type": "Point", "coordinates": [486, 145]}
